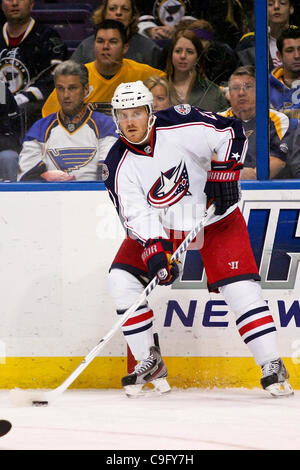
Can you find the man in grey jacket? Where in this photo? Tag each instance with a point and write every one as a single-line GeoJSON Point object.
{"type": "Point", "coordinates": [141, 49]}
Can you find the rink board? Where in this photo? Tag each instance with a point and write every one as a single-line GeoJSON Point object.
{"type": "Point", "coordinates": [56, 249]}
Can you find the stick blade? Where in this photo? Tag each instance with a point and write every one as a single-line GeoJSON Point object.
{"type": "Point", "coordinates": [21, 397]}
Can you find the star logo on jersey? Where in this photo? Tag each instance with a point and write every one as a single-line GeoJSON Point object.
{"type": "Point", "coordinates": [170, 187]}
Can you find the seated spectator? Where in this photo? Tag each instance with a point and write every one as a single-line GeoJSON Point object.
{"type": "Point", "coordinates": [68, 145]}
{"type": "Point", "coordinates": [28, 53]}
{"type": "Point", "coordinates": [242, 97]}
{"type": "Point", "coordinates": [141, 49]}
{"type": "Point", "coordinates": [228, 18]}
{"type": "Point", "coordinates": [294, 161]}
{"type": "Point", "coordinates": [219, 59]}
{"type": "Point", "coordinates": [159, 87]}
{"type": "Point", "coordinates": [109, 69]}
{"type": "Point", "coordinates": [11, 134]}
{"type": "Point", "coordinates": [279, 12]}
{"type": "Point", "coordinates": [188, 84]}
{"type": "Point", "coordinates": [284, 91]}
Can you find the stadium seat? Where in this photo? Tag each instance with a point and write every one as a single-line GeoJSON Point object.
{"type": "Point", "coordinates": [71, 20]}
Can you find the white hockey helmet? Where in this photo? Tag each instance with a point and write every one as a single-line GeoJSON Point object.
{"type": "Point", "coordinates": [132, 95]}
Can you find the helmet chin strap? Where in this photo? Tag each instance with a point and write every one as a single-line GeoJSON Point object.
{"type": "Point", "coordinates": [151, 121]}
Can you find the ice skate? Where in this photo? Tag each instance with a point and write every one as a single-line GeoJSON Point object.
{"type": "Point", "coordinates": [275, 379]}
{"type": "Point", "coordinates": [151, 370]}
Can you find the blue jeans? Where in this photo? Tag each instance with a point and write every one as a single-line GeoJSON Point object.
{"type": "Point", "coordinates": [9, 164]}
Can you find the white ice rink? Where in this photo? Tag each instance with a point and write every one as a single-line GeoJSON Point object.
{"type": "Point", "coordinates": [231, 419]}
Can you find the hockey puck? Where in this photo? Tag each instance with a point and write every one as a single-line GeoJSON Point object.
{"type": "Point", "coordinates": [40, 403]}
{"type": "Point", "coordinates": [5, 427]}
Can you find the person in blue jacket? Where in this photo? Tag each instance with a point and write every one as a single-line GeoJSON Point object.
{"type": "Point", "coordinates": [284, 92]}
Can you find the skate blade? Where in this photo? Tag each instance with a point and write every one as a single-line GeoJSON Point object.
{"type": "Point", "coordinates": [160, 387]}
{"type": "Point", "coordinates": [280, 389]}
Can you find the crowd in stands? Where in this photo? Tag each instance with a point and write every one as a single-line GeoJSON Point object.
{"type": "Point", "coordinates": [187, 51]}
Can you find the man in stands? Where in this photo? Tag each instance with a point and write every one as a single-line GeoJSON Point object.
{"type": "Point", "coordinates": [279, 13]}
{"type": "Point", "coordinates": [109, 69]}
{"type": "Point", "coordinates": [284, 92]}
{"type": "Point", "coordinates": [68, 145]}
{"type": "Point", "coordinates": [28, 53]}
{"type": "Point", "coordinates": [242, 97]}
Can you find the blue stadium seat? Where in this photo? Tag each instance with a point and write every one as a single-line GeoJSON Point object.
{"type": "Point", "coordinates": [71, 20]}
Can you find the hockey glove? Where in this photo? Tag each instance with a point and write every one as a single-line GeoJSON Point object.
{"type": "Point", "coordinates": [156, 256]}
{"type": "Point", "coordinates": [222, 187]}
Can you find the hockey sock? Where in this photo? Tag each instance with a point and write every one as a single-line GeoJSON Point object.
{"type": "Point", "coordinates": [253, 319]}
{"type": "Point", "coordinates": [138, 332]}
{"type": "Point", "coordinates": [124, 289]}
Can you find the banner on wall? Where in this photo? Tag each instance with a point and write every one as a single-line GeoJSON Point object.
{"type": "Point", "coordinates": [57, 252]}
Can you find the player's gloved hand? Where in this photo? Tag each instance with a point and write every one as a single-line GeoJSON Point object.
{"type": "Point", "coordinates": [223, 187]}
{"type": "Point", "coordinates": [156, 256]}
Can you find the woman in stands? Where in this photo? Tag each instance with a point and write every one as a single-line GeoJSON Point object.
{"type": "Point", "coordinates": [159, 87]}
{"type": "Point", "coordinates": [188, 83]}
{"type": "Point", "coordinates": [141, 48]}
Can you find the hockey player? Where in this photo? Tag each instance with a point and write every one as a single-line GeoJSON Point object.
{"type": "Point", "coordinates": [163, 171]}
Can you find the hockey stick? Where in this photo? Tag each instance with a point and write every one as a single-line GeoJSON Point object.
{"type": "Point", "coordinates": [40, 398]}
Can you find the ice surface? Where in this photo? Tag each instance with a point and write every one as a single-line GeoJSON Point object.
{"type": "Point", "coordinates": [194, 419]}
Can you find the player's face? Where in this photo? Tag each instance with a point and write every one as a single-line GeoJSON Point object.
{"type": "Point", "coordinates": [17, 11]}
{"type": "Point", "coordinates": [133, 123]}
{"type": "Point", "coordinates": [279, 11]}
{"type": "Point", "coordinates": [291, 57]}
{"type": "Point", "coordinates": [184, 57]}
{"type": "Point", "coordinates": [242, 96]}
{"type": "Point", "coordinates": [70, 93]}
{"type": "Point", "coordinates": [119, 10]}
{"type": "Point", "coordinates": [109, 48]}
{"type": "Point", "coordinates": [160, 98]}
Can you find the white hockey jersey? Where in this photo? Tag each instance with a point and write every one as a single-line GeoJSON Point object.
{"type": "Point", "coordinates": [162, 185]}
{"type": "Point", "coordinates": [74, 147]}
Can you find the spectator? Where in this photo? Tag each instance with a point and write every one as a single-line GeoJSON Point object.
{"type": "Point", "coordinates": [219, 59]}
{"type": "Point", "coordinates": [242, 97]}
{"type": "Point", "coordinates": [28, 52]}
{"type": "Point", "coordinates": [109, 68]}
{"type": "Point", "coordinates": [159, 87]}
{"type": "Point", "coordinates": [68, 145]}
{"type": "Point", "coordinates": [228, 18]}
{"type": "Point", "coordinates": [294, 162]}
{"type": "Point", "coordinates": [11, 134]}
{"type": "Point", "coordinates": [188, 83]}
{"type": "Point", "coordinates": [279, 12]}
{"type": "Point", "coordinates": [141, 49]}
{"type": "Point", "coordinates": [284, 92]}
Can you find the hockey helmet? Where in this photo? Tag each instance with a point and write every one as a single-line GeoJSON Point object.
{"type": "Point", "coordinates": [132, 95]}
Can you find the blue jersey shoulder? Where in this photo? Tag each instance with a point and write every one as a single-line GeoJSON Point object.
{"type": "Point", "coordinates": [105, 124]}
{"type": "Point", "coordinates": [40, 128]}
{"type": "Point", "coordinates": [185, 113]}
{"type": "Point", "coordinates": [112, 161]}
